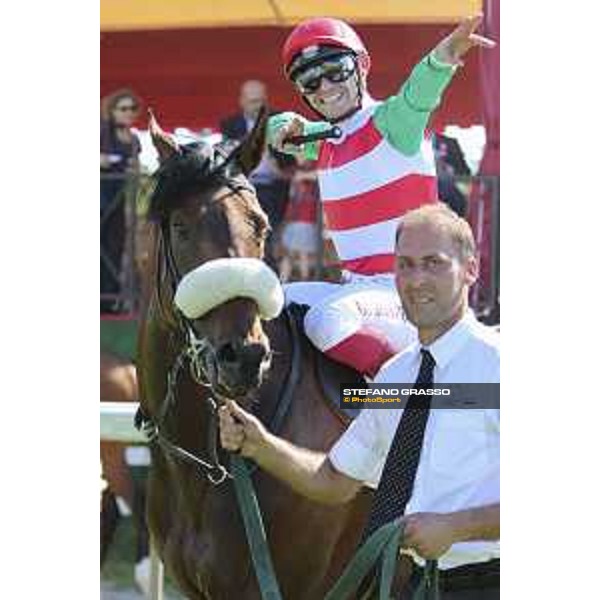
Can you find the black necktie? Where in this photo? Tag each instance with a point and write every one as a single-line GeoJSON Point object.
{"type": "Point", "coordinates": [398, 476]}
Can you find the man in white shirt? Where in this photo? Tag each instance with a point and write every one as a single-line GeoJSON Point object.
{"type": "Point", "coordinates": [453, 511]}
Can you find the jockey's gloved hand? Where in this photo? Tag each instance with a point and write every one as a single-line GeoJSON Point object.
{"type": "Point", "coordinates": [289, 124]}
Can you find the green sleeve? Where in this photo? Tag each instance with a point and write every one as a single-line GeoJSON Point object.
{"type": "Point", "coordinates": [308, 151]}
{"type": "Point", "coordinates": [402, 119]}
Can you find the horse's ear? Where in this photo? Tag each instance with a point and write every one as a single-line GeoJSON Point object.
{"type": "Point", "coordinates": [251, 150]}
{"type": "Point", "coordinates": [165, 145]}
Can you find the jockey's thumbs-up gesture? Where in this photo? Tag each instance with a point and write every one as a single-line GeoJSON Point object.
{"type": "Point", "coordinates": [453, 47]}
{"type": "Point", "coordinates": [240, 431]}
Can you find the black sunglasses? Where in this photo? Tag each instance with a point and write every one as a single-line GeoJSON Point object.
{"type": "Point", "coordinates": [335, 70]}
{"type": "Point", "coordinates": [132, 108]}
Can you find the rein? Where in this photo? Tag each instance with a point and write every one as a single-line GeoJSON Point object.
{"type": "Point", "coordinates": [214, 471]}
{"type": "Point", "coordinates": [379, 553]}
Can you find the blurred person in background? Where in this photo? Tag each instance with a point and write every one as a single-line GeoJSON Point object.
{"type": "Point", "coordinates": [119, 150]}
{"type": "Point", "coordinates": [300, 233]}
{"type": "Point", "coordinates": [272, 176]}
{"type": "Point", "coordinates": [253, 96]}
{"type": "Point", "coordinates": [452, 169]}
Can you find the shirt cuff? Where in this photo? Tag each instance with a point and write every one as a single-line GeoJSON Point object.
{"type": "Point", "coordinates": [311, 149]}
{"type": "Point", "coordinates": [343, 457]}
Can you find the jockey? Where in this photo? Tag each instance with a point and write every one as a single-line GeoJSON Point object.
{"type": "Point", "coordinates": [380, 168]}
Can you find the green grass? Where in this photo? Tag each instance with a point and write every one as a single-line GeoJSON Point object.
{"type": "Point", "coordinates": [120, 560]}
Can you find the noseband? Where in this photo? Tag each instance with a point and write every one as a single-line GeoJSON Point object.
{"type": "Point", "coordinates": [197, 351]}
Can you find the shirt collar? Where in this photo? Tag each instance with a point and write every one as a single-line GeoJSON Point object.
{"type": "Point", "coordinates": [357, 119]}
{"type": "Point", "coordinates": [449, 344]}
{"type": "Point", "coordinates": [367, 100]}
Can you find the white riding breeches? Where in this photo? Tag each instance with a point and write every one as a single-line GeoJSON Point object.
{"type": "Point", "coordinates": [339, 310]}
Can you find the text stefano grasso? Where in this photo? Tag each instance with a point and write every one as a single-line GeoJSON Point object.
{"type": "Point", "coordinates": [396, 392]}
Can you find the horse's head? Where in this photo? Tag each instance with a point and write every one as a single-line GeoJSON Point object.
{"type": "Point", "coordinates": [212, 278]}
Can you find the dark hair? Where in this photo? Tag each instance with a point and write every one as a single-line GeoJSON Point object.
{"type": "Point", "coordinates": [109, 102]}
{"type": "Point", "coordinates": [193, 167]}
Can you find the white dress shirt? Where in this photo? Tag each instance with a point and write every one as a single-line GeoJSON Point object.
{"type": "Point", "coordinates": [459, 466]}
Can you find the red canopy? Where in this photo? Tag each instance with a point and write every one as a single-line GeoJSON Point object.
{"type": "Point", "coordinates": [191, 77]}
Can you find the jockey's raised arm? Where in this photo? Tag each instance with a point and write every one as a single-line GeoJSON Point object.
{"type": "Point", "coordinates": [380, 167]}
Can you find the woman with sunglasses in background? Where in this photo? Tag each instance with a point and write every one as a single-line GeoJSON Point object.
{"type": "Point", "coordinates": [119, 150]}
{"type": "Point", "coordinates": [380, 167]}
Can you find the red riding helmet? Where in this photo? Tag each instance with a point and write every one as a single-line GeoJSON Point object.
{"type": "Point", "coordinates": [324, 31]}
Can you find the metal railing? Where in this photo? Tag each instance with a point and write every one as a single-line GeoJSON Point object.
{"type": "Point", "coordinates": [121, 241]}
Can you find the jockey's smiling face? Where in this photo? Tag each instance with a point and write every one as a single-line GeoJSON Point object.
{"type": "Point", "coordinates": [331, 87]}
{"type": "Point", "coordinates": [432, 278]}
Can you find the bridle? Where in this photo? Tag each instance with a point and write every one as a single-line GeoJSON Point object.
{"type": "Point", "coordinates": [197, 350]}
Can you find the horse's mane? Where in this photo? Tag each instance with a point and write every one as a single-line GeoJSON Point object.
{"type": "Point", "coordinates": [201, 165]}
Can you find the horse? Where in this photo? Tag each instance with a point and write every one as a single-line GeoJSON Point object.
{"type": "Point", "coordinates": [203, 211]}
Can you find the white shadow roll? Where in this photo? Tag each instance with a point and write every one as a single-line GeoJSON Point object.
{"type": "Point", "coordinates": [217, 281]}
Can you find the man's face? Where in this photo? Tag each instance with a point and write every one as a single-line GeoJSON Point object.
{"type": "Point", "coordinates": [252, 96]}
{"type": "Point", "coordinates": [431, 278]}
{"type": "Point", "coordinates": [331, 87]}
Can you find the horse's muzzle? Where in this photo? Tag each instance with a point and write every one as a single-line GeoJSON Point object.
{"type": "Point", "coordinates": [241, 367]}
